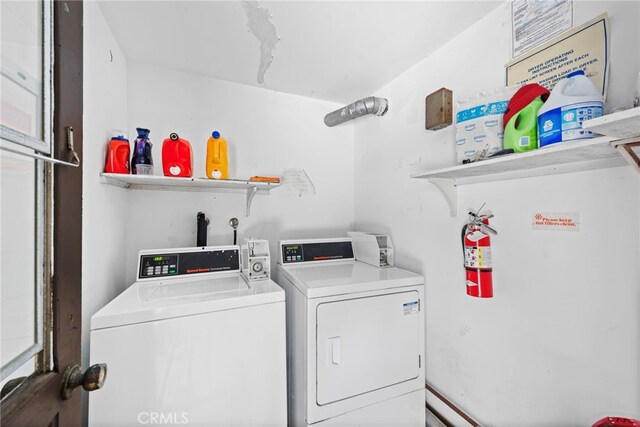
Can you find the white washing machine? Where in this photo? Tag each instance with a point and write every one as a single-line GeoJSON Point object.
{"type": "Point", "coordinates": [191, 342]}
{"type": "Point", "coordinates": [355, 337]}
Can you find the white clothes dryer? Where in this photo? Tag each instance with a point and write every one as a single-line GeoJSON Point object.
{"type": "Point", "coordinates": [355, 337]}
{"type": "Point", "coordinates": [191, 342]}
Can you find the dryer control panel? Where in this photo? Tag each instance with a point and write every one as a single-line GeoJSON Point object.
{"type": "Point", "coordinates": [299, 251]}
{"type": "Point", "coordinates": [188, 261]}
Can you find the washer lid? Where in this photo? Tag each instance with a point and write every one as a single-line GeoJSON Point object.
{"type": "Point", "coordinates": [165, 299]}
{"type": "Point", "coordinates": [337, 278]}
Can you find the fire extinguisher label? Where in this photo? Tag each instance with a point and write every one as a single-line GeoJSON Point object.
{"type": "Point", "coordinates": [477, 256]}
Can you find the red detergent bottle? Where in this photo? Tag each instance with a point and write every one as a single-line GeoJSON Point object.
{"type": "Point", "coordinates": [117, 154]}
{"type": "Point", "coordinates": [177, 157]}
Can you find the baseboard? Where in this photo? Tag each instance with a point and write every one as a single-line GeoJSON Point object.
{"type": "Point", "coordinates": [445, 411]}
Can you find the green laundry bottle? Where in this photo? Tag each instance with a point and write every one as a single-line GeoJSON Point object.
{"type": "Point", "coordinates": [521, 134]}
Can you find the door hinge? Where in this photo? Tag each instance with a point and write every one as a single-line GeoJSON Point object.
{"type": "Point", "coordinates": [419, 361]}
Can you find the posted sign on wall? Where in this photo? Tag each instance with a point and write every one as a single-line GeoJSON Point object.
{"type": "Point", "coordinates": [556, 221]}
{"type": "Point", "coordinates": [581, 48]}
{"type": "Point", "coordinates": [534, 22]}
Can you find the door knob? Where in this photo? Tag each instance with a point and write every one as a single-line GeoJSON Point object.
{"type": "Point", "coordinates": [92, 379]}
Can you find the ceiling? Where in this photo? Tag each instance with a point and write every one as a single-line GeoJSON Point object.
{"type": "Point", "coordinates": [333, 50]}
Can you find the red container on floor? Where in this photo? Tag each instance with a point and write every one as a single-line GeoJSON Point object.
{"type": "Point", "coordinates": [616, 422]}
{"type": "Point", "coordinates": [117, 155]}
{"type": "Point", "coordinates": [177, 157]}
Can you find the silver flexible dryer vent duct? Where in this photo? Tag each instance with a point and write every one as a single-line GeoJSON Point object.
{"type": "Point", "coordinates": [370, 105]}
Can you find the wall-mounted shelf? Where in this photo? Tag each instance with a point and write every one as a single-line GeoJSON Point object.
{"type": "Point", "coordinates": [625, 127]}
{"type": "Point", "coordinates": [151, 182]}
{"type": "Point", "coordinates": [595, 153]}
{"type": "Point", "coordinates": [621, 125]}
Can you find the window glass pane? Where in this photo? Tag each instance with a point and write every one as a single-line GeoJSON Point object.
{"type": "Point", "coordinates": [16, 104]}
{"type": "Point", "coordinates": [25, 119]}
{"type": "Point", "coordinates": [18, 280]}
{"type": "Point", "coordinates": [22, 66]}
{"type": "Point", "coordinates": [22, 371]}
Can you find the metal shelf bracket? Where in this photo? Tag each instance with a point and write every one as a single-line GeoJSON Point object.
{"type": "Point", "coordinates": [448, 189]}
{"type": "Point", "coordinates": [250, 193]}
{"type": "Point", "coordinates": [629, 149]}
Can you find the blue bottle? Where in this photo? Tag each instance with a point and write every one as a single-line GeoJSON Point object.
{"type": "Point", "coordinates": [573, 100]}
{"type": "Point", "coordinates": [142, 154]}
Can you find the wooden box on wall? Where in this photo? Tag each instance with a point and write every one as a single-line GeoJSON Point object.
{"type": "Point", "coordinates": [438, 109]}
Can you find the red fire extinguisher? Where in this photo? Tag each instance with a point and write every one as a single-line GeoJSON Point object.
{"type": "Point", "coordinates": [477, 255]}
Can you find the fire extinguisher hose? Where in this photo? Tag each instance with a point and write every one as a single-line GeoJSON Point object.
{"type": "Point", "coordinates": [464, 231]}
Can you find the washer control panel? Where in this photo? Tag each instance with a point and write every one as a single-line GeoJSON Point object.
{"type": "Point", "coordinates": [158, 265]}
{"type": "Point", "coordinates": [188, 261]}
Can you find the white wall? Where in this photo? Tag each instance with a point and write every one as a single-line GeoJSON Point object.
{"type": "Point", "coordinates": [267, 132]}
{"type": "Point", "coordinates": [559, 343]}
{"type": "Point", "coordinates": [103, 206]}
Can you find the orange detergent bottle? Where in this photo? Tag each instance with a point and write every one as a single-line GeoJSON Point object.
{"type": "Point", "coordinates": [217, 157]}
{"type": "Point", "coordinates": [177, 157]}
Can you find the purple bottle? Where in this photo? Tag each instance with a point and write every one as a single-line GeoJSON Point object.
{"type": "Point", "coordinates": [142, 154]}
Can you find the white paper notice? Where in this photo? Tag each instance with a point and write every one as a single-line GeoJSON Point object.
{"type": "Point", "coordinates": [535, 21]}
{"type": "Point", "coordinates": [584, 47]}
{"type": "Point", "coordinates": [556, 221]}
{"type": "Point", "coordinates": [296, 181]}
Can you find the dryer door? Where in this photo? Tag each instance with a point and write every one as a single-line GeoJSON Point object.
{"type": "Point", "coordinates": [366, 344]}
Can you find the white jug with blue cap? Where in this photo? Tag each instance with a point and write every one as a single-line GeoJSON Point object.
{"type": "Point", "coordinates": [572, 101]}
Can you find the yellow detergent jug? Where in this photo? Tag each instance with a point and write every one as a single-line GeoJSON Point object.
{"type": "Point", "coordinates": [217, 157]}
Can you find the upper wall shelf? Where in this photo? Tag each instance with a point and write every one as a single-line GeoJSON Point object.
{"type": "Point", "coordinates": [596, 153]}
{"type": "Point", "coordinates": [620, 146]}
{"type": "Point", "coordinates": [151, 182]}
{"type": "Point", "coordinates": [621, 125]}
{"type": "Point", "coordinates": [625, 126]}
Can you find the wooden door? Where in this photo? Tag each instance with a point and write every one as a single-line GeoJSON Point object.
{"type": "Point", "coordinates": [38, 400]}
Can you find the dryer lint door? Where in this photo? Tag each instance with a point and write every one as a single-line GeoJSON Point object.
{"type": "Point", "coordinates": [366, 344]}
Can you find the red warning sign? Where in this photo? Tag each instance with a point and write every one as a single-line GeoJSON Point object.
{"type": "Point", "coordinates": [556, 221]}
